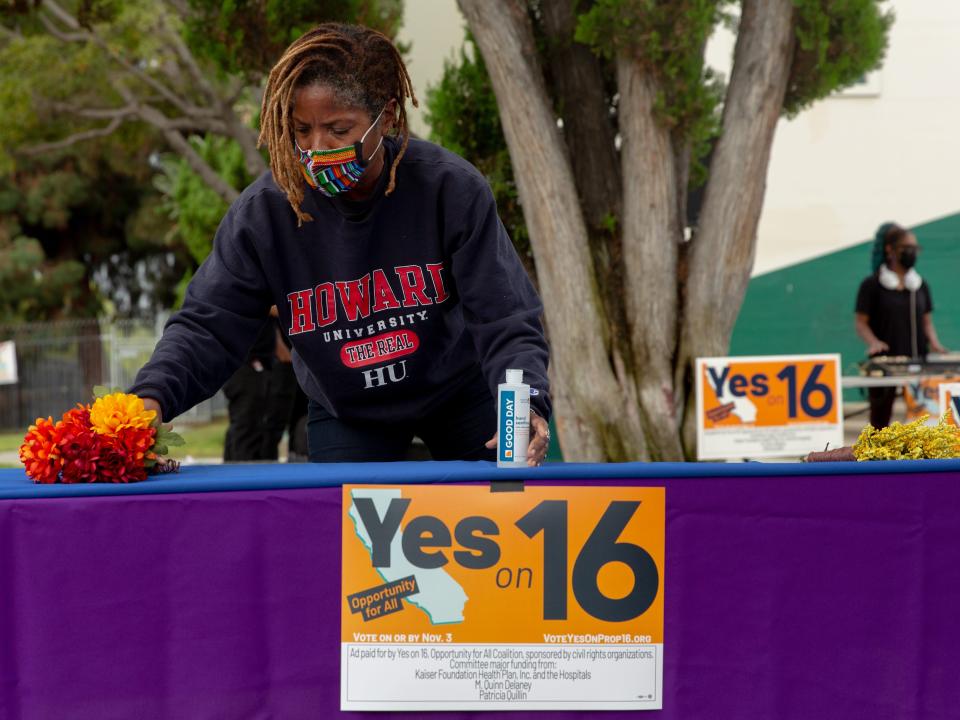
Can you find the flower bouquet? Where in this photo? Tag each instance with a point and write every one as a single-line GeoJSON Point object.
{"type": "Point", "coordinates": [911, 441]}
{"type": "Point", "coordinates": [114, 439]}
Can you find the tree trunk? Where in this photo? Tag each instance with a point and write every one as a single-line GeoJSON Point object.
{"type": "Point", "coordinates": [580, 98]}
{"type": "Point", "coordinates": [591, 422]}
{"type": "Point", "coordinates": [726, 238]}
{"type": "Point", "coordinates": [589, 134]}
{"type": "Point", "coordinates": [617, 401]}
{"type": "Point", "coordinates": [652, 232]}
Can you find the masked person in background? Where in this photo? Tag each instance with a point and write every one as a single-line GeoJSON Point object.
{"type": "Point", "coordinates": [396, 283]}
{"type": "Point", "coordinates": [894, 311]}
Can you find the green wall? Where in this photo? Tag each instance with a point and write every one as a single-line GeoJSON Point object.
{"type": "Point", "coordinates": [808, 307]}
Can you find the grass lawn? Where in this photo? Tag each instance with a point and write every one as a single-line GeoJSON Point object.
{"type": "Point", "coordinates": [203, 441]}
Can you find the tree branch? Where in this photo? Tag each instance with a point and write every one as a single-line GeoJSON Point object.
{"type": "Point", "coordinates": [194, 118]}
{"type": "Point", "coordinates": [223, 122]}
{"type": "Point", "coordinates": [180, 144]}
{"type": "Point", "coordinates": [180, 6]}
{"type": "Point", "coordinates": [132, 110]}
{"type": "Point", "coordinates": [11, 33]}
{"type": "Point", "coordinates": [181, 50]}
{"type": "Point", "coordinates": [74, 139]}
{"type": "Point", "coordinates": [587, 130]}
{"type": "Point", "coordinates": [233, 126]}
{"type": "Point", "coordinates": [89, 36]}
{"type": "Point", "coordinates": [62, 15]}
{"type": "Point", "coordinates": [92, 113]}
{"type": "Point", "coordinates": [733, 199]}
{"type": "Point", "coordinates": [58, 33]}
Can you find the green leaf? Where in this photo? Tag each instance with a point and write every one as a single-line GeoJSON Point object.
{"type": "Point", "coordinates": [168, 437]}
{"type": "Point", "coordinates": [175, 440]}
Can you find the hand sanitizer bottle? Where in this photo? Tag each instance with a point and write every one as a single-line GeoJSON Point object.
{"type": "Point", "coordinates": [513, 420]}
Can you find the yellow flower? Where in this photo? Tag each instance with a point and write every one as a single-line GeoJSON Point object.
{"type": "Point", "coordinates": [112, 413]}
{"type": "Point", "coordinates": [913, 441]}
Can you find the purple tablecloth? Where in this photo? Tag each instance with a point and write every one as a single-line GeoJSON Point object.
{"type": "Point", "coordinates": [788, 595]}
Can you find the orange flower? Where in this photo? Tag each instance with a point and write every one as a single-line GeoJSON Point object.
{"type": "Point", "coordinates": [40, 452]}
{"type": "Point", "coordinates": [135, 443]}
{"type": "Point", "coordinates": [79, 416]}
{"type": "Point", "coordinates": [112, 413]}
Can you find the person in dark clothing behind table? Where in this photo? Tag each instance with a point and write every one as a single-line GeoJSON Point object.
{"type": "Point", "coordinates": [248, 394]}
{"type": "Point", "coordinates": [396, 282]}
{"type": "Point", "coordinates": [894, 311]}
{"type": "Point", "coordinates": [260, 396]}
{"type": "Point", "coordinates": [283, 395]}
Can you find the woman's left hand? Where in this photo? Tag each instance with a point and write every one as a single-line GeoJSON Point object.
{"type": "Point", "coordinates": [539, 440]}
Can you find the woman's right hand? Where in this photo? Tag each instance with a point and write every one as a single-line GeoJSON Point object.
{"type": "Point", "coordinates": [877, 347]}
{"type": "Point", "coordinates": [151, 404]}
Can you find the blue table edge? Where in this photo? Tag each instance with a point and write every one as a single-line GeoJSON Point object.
{"type": "Point", "coordinates": [14, 484]}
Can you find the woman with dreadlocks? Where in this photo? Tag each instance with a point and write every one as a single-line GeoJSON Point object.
{"type": "Point", "coordinates": [398, 286]}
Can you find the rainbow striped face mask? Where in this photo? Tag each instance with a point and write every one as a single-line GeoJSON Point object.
{"type": "Point", "coordinates": [336, 171]}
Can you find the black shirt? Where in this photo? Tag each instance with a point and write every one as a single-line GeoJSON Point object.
{"type": "Point", "coordinates": [888, 313]}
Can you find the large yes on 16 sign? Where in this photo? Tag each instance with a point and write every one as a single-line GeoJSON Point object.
{"type": "Point", "coordinates": [459, 598]}
{"type": "Point", "coordinates": [772, 406]}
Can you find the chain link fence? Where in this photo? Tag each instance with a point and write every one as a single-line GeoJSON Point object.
{"type": "Point", "coordinates": [59, 363]}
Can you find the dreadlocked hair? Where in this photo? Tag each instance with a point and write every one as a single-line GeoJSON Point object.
{"type": "Point", "coordinates": [362, 67]}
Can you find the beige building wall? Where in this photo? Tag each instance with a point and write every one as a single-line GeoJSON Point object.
{"type": "Point", "coordinates": [888, 149]}
{"type": "Point", "coordinates": [435, 29]}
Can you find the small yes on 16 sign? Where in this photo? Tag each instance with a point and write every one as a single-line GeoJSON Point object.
{"type": "Point", "coordinates": [768, 406]}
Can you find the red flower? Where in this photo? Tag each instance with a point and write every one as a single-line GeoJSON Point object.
{"type": "Point", "coordinates": [122, 456]}
{"type": "Point", "coordinates": [112, 465]}
{"type": "Point", "coordinates": [40, 452]}
{"type": "Point", "coordinates": [80, 415]}
{"type": "Point", "coordinates": [80, 448]}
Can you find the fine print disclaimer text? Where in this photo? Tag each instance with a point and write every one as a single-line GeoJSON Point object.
{"type": "Point", "coordinates": [467, 676]}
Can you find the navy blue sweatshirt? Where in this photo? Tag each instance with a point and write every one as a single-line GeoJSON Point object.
{"type": "Point", "coordinates": [391, 304]}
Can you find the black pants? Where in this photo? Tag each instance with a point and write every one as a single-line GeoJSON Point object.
{"type": "Point", "coordinates": [258, 404]}
{"type": "Point", "coordinates": [881, 405]}
{"type": "Point", "coordinates": [246, 393]}
{"type": "Point", "coordinates": [457, 430]}
{"type": "Point", "coordinates": [281, 393]}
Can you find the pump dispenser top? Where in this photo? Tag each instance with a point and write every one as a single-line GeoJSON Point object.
{"type": "Point", "coordinates": [513, 420]}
